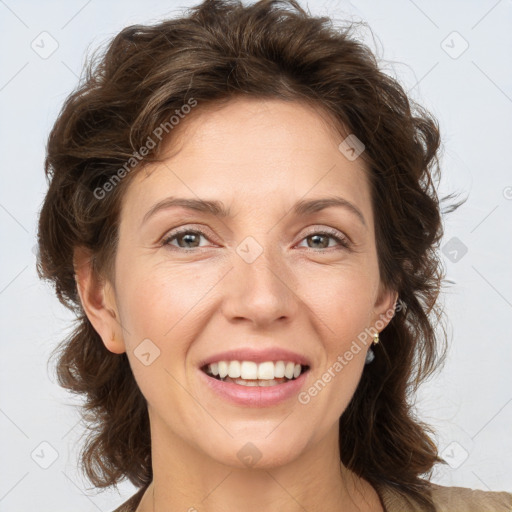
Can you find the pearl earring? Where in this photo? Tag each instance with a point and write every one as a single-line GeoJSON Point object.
{"type": "Point", "coordinates": [370, 356]}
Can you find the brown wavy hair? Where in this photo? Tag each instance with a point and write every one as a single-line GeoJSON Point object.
{"type": "Point", "coordinates": [221, 50]}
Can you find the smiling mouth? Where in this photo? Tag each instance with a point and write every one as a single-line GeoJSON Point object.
{"type": "Point", "coordinates": [255, 382]}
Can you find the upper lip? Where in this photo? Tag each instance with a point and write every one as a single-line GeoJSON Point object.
{"type": "Point", "coordinates": [257, 355]}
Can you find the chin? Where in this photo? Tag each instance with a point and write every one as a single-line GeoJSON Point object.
{"type": "Point", "coordinates": [258, 452]}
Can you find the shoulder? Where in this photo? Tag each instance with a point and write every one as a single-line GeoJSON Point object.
{"type": "Point", "coordinates": [448, 499]}
{"type": "Point", "coordinates": [132, 503]}
{"type": "Point", "coordinates": [470, 500]}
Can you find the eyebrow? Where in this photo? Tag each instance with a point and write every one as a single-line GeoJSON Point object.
{"type": "Point", "coordinates": [217, 208]}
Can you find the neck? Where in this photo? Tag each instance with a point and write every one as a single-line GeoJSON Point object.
{"type": "Point", "coordinates": [186, 479]}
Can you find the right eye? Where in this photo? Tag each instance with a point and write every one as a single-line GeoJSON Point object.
{"type": "Point", "coordinates": [187, 236]}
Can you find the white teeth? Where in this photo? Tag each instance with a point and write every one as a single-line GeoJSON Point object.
{"type": "Point", "coordinates": [249, 370]}
{"type": "Point", "coordinates": [288, 371]}
{"type": "Point", "coordinates": [249, 383]}
{"type": "Point", "coordinates": [223, 369]}
{"type": "Point", "coordinates": [266, 370]}
{"type": "Point", "coordinates": [279, 370]}
{"type": "Point", "coordinates": [266, 383]}
{"type": "Point", "coordinates": [254, 383]}
{"type": "Point", "coordinates": [234, 369]}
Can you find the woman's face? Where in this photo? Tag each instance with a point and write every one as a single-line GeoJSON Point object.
{"type": "Point", "coordinates": [263, 277]}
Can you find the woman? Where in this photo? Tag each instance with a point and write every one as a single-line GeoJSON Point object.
{"type": "Point", "coordinates": [242, 213]}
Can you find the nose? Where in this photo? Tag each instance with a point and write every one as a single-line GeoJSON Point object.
{"type": "Point", "coordinates": [260, 292]}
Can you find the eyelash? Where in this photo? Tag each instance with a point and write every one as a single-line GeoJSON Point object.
{"type": "Point", "coordinates": [342, 240]}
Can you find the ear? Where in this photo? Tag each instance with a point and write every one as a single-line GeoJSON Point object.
{"type": "Point", "coordinates": [384, 308]}
{"type": "Point", "coordinates": [98, 301]}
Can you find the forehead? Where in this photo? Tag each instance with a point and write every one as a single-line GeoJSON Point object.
{"type": "Point", "coordinates": [252, 151]}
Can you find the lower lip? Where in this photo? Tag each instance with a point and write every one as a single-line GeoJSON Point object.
{"type": "Point", "coordinates": [255, 396]}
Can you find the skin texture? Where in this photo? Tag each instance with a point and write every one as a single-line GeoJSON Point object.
{"type": "Point", "coordinates": [307, 294]}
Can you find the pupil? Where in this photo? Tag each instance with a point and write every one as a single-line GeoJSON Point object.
{"type": "Point", "coordinates": [320, 236]}
{"type": "Point", "coordinates": [186, 238]}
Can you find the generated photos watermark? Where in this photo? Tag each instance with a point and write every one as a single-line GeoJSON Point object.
{"type": "Point", "coordinates": [343, 360]}
{"type": "Point", "coordinates": [151, 142]}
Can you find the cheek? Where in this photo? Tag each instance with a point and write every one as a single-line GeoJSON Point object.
{"type": "Point", "coordinates": [343, 301]}
{"type": "Point", "coordinates": [342, 297]}
{"type": "Point", "coordinates": [156, 301]}
{"type": "Point", "coordinates": [156, 305]}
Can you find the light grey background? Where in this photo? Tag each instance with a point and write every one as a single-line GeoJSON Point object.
{"type": "Point", "coordinates": [468, 89]}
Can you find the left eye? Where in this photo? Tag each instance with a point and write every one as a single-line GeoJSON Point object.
{"type": "Point", "coordinates": [326, 235]}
